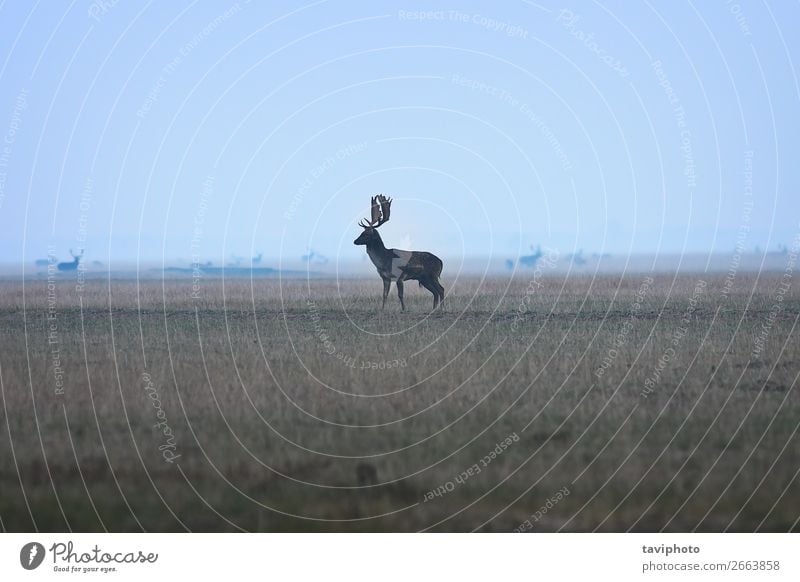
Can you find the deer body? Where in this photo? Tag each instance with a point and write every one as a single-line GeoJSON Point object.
{"type": "Point", "coordinates": [389, 262]}
{"type": "Point", "coordinates": [399, 265]}
{"type": "Point", "coordinates": [73, 264]}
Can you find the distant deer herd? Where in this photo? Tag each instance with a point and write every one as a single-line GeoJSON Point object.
{"type": "Point", "coordinates": [397, 265]}
{"type": "Point", "coordinates": [392, 264]}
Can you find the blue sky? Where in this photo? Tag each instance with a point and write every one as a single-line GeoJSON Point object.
{"type": "Point", "coordinates": [150, 131]}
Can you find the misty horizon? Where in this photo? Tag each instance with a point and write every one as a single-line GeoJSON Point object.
{"type": "Point", "coordinates": [231, 136]}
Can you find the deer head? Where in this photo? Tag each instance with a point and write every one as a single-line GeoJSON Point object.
{"type": "Point", "coordinates": [381, 206]}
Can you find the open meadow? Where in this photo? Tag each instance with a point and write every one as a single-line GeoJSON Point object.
{"type": "Point", "coordinates": [538, 403]}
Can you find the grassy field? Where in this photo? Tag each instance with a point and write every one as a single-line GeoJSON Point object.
{"type": "Point", "coordinates": [538, 404]}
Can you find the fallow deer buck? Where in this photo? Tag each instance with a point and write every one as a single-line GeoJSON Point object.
{"type": "Point", "coordinates": [394, 264]}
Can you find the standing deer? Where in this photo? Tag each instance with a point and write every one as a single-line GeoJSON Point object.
{"type": "Point", "coordinates": [73, 264]}
{"type": "Point", "coordinates": [394, 264]}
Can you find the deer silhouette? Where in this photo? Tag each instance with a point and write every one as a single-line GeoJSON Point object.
{"type": "Point", "coordinates": [394, 264]}
{"type": "Point", "coordinates": [73, 264]}
{"type": "Point", "coordinates": [532, 259]}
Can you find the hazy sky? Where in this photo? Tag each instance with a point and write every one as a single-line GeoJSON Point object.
{"type": "Point", "coordinates": [212, 129]}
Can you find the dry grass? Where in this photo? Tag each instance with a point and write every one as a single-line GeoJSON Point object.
{"type": "Point", "coordinates": [272, 428]}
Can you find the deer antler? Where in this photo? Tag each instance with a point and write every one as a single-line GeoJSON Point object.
{"type": "Point", "coordinates": [381, 206]}
{"type": "Point", "coordinates": [386, 205]}
{"type": "Point", "coordinates": [376, 211]}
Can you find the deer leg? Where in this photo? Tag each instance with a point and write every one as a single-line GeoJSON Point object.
{"type": "Point", "coordinates": [386, 284]}
{"type": "Point", "coordinates": [440, 289]}
{"type": "Point", "coordinates": [400, 293]}
{"type": "Point", "coordinates": [430, 286]}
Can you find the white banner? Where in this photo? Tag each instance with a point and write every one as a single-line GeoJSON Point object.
{"type": "Point", "coordinates": [353, 557]}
